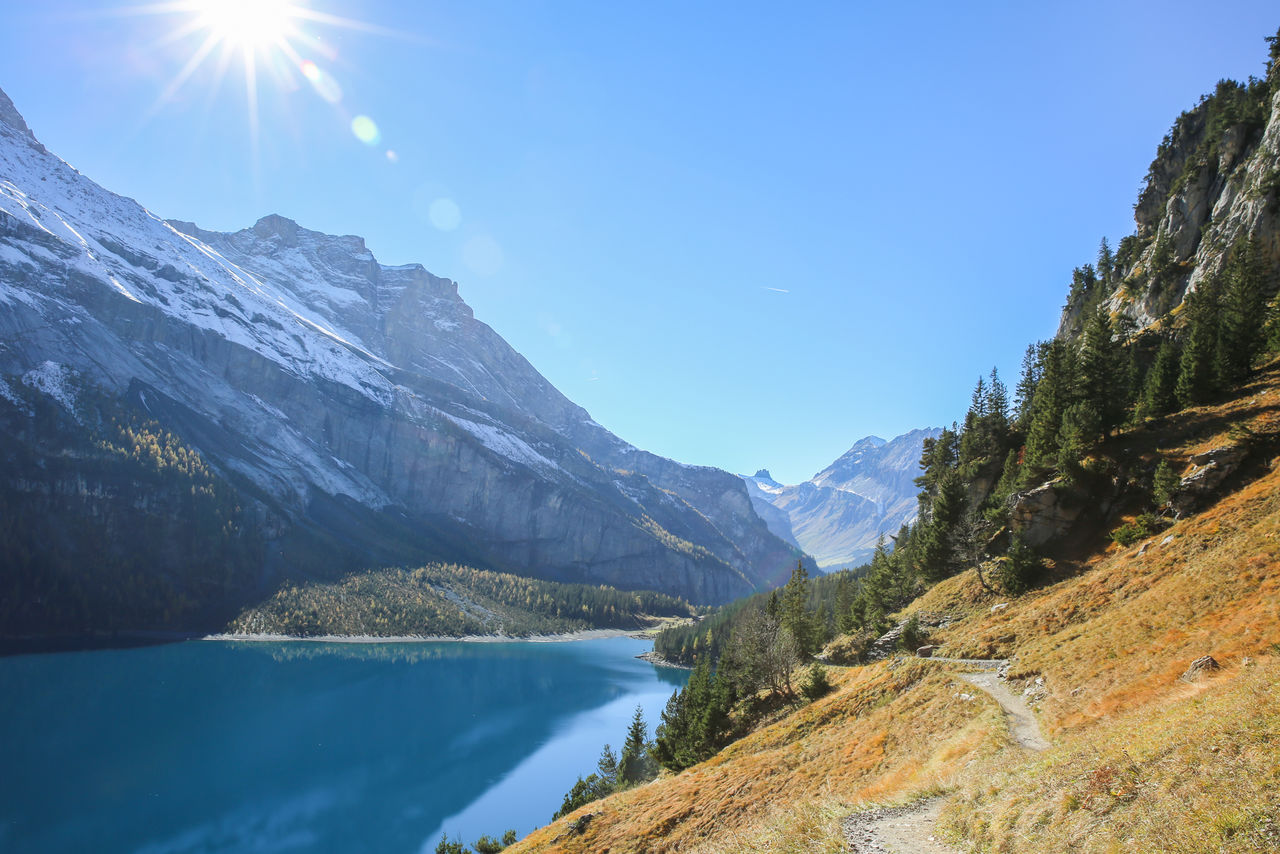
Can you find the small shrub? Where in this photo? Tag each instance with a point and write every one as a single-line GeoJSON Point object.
{"type": "Point", "coordinates": [816, 684]}
{"type": "Point", "coordinates": [448, 846]}
{"type": "Point", "coordinates": [1164, 485]}
{"type": "Point", "coordinates": [849, 649]}
{"type": "Point", "coordinates": [1139, 529]}
{"type": "Point", "coordinates": [1019, 570]}
{"type": "Point", "coordinates": [912, 637]}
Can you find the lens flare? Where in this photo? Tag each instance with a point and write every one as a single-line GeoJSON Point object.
{"type": "Point", "coordinates": [366, 130]}
{"type": "Point", "coordinates": [482, 255]}
{"type": "Point", "coordinates": [444, 214]}
{"type": "Point", "coordinates": [324, 84]}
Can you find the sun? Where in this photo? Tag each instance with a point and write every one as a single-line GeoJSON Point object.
{"type": "Point", "coordinates": [272, 41]}
{"type": "Point", "coordinates": [246, 24]}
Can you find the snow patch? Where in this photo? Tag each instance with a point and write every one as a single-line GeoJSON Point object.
{"type": "Point", "coordinates": [52, 379]}
{"type": "Point", "coordinates": [10, 395]}
{"type": "Point", "coordinates": [504, 444]}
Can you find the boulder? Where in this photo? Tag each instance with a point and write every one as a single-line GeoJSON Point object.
{"type": "Point", "coordinates": [1043, 514]}
{"type": "Point", "coordinates": [1200, 668]}
{"type": "Point", "coordinates": [926, 651]}
{"type": "Point", "coordinates": [1211, 468]}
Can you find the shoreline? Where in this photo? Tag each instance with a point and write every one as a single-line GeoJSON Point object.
{"type": "Point", "coordinates": [34, 645]}
{"type": "Point", "coordinates": [567, 637]}
{"type": "Point", "coordinates": [654, 658]}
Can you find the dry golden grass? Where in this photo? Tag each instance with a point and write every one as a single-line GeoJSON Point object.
{"type": "Point", "coordinates": [1198, 772]}
{"type": "Point", "coordinates": [884, 730]}
{"type": "Point", "coordinates": [803, 828]}
{"type": "Point", "coordinates": [1141, 761]}
{"type": "Point", "coordinates": [1117, 636]}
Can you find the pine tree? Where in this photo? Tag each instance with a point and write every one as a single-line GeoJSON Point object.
{"type": "Point", "coordinates": [845, 594]}
{"type": "Point", "coordinates": [1084, 289]}
{"type": "Point", "coordinates": [1009, 477]}
{"type": "Point", "coordinates": [936, 548]}
{"type": "Point", "coordinates": [1101, 367]}
{"type": "Point", "coordinates": [695, 723]}
{"type": "Point", "coordinates": [447, 846]}
{"type": "Point", "coordinates": [1081, 423]}
{"type": "Point", "coordinates": [1032, 370]}
{"type": "Point", "coordinates": [795, 611]}
{"type": "Point", "coordinates": [1197, 369]}
{"type": "Point", "coordinates": [1271, 329]}
{"type": "Point", "coordinates": [670, 738]}
{"type": "Point", "coordinates": [1158, 395]}
{"type": "Point", "coordinates": [1106, 262]}
{"type": "Point", "coordinates": [1164, 484]}
{"type": "Point", "coordinates": [607, 767]}
{"type": "Point", "coordinates": [488, 845]}
{"type": "Point", "coordinates": [1243, 313]}
{"type": "Point", "coordinates": [998, 402]}
{"type": "Point", "coordinates": [635, 764]}
{"type": "Point", "coordinates": [1054, 393]}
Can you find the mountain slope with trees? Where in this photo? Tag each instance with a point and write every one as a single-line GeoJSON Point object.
{"type": "Point", "coordinates": [352, 415]}
{"type": "Point", "coordinates": [1102, 528]}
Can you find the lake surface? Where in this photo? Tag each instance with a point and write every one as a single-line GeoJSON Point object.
{"type": "Point", "coordinates": [218, 746]}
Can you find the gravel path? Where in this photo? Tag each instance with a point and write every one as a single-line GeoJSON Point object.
{"type": "Point", "coordinates": [912, 829]}
{"type": "Point", "coordinates": [1022, 722]}
{"type": "Point", "coordinates": [897, 830]}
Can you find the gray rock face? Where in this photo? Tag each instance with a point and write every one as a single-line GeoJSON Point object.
{"type": "Point", "coordinates": [1198, 201]}
{"type": "Point", "coordinates": [1209, 470]}
{"type": "Point", "coordinates": [1042, 515]}
{"type": "Point", "coordinates": [308, 373]}
{"type": "Point", "coordinates": [839, 514]}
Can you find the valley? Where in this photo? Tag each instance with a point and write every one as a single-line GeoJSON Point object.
{"type": "Point", "coordinates": [257, 485]}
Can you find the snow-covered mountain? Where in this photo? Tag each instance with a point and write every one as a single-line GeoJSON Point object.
{"type": "Point", "coordinates": [839, 513]}
{"type": "Point", "coordinates": [359, 412]}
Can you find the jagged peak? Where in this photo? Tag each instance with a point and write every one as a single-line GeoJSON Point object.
{"type": "Point", "coordinates": [10, 117]}
{"type": "Point", "coordinates": [762, 474]}
{"type": "Point", "coordinates": [275, 225]}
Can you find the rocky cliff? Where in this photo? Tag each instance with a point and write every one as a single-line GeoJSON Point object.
{"type": "Point", "coordinates": [840, 513]}
{"type": "Point", "coordinates": [359, 412]}
{"type": "Point", "coordinates": [1213, 184]}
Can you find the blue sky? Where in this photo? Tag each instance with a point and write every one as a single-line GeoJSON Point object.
{"type": "Point", "coordinates": [740, 234]}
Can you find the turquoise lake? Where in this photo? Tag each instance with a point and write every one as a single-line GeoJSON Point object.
{"type": "Point", "coordinates": [213, 746]}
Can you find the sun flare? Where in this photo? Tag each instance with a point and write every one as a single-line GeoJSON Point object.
{"type": "Point", "coordinates": [248, 24]}
{"type": "Point", "coordinates": [270, 40]}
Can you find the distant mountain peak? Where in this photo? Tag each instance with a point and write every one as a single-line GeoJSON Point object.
{"type": "Point", "coordinates": [274, 225]}
{"type": "Point", "coordinates": [763, 474]}
{"type": "Point", "coordinates": [838, 515]}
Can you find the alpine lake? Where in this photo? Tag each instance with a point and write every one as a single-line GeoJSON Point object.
{"type": "Point", "coordinates": [296, 746]}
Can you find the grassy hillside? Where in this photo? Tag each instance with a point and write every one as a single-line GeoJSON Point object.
{"type": "Point", "coordinates": [1140, 760]}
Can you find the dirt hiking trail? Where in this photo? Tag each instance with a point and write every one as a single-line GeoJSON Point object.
{"type": "Point", "coordinates": [912, 829]}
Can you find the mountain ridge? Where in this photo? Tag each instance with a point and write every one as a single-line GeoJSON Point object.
{"type": "Point", "coordinates": [840, 513]}
{"type": "Point", "coordinates": [349, 404]}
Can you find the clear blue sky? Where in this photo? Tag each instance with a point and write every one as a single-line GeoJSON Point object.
{"type": "Point", "coordinates": [740, 234]}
